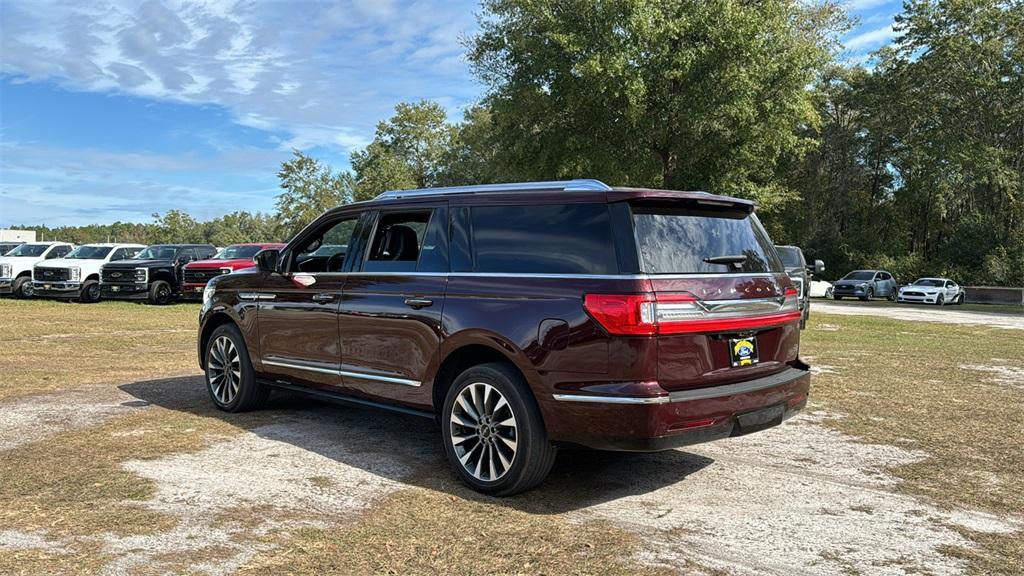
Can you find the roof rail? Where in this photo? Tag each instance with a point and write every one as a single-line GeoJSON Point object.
{"type": "Point", "coordinates": [580, 184]}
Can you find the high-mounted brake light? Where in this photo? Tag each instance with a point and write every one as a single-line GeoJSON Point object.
{"type": "Point", "coordinates": [648, 314]}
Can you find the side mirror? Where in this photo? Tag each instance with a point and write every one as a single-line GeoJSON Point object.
{"type": "Point", "coordinates": [266, 260]}
{"type": "Point", "coordinates": [817, 268]}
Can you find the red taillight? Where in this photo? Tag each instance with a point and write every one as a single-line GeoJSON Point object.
{"type": "Point", "coordinates": [623, 313]}
{"type": "Point", "coordinates": [679, 313]}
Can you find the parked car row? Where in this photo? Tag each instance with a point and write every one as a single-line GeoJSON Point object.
{"type": "Point", "coordinates": [868, 284]}
{"type": "Point", "coordinates": [156, 274]}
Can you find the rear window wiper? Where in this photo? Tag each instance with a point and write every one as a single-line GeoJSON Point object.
{"type": "Point", "coordinates": [734, 260]}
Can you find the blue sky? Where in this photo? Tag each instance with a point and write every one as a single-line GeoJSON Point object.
{"type": "Point", "coordinates": [114, 110]}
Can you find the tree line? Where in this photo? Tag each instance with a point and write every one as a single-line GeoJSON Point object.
{"type": "Point", "coordinates": [914, 164]}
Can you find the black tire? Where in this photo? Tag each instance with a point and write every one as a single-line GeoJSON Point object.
{"type": "Point", "coordinates": [533, 453]}
{"type": "Point", "coordinates": [892, 295]}
{"type": "Point", "coordinates": [90, 292]}
{"type": "Point", "coordinates": [22, 287]}
{"type": "Point", "coordinates": [237, 394]}
{"type": "Point", "coordinates": [159, 292]}
{"type": "Point", "coordinates": [836, 297]}
{"type": "Point", "coordinates": [869, 295]}
{"type": "Point", "coordinates": [940, 301]}
{"type": "Point", "coordinates": [959, 299]}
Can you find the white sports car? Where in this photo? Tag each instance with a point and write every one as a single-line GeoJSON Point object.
{"type": "Point", "coordinates": [820, 289]}
{"type": "Point", "coordinates": [932, 291]}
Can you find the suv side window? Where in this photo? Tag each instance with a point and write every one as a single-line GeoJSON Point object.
{"type": "Point", "coordinates": [398, 241]}
{"type": "Point", "coordinates": [544, 239]}
{"type": "Point", "coordinates": [326, 251]}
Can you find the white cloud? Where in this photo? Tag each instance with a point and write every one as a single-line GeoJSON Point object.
{"type": "Point", "coordinates": [321, 74]}
{"type": "Point", "coordinates": [871, 39]}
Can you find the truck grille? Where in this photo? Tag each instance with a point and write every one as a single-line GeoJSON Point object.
{"type": "Point", "coordinates": [51, 274]}
{"type": "Point", "coordinates": [118, 276]}
{"type": "Point", "coordinates": [202, 275]}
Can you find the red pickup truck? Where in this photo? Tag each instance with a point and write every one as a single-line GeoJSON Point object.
{"type": "Point", "coordinates": [235, 257]}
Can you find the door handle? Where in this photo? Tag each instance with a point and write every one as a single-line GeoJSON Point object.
{"type": "Point", "coordinates": [418, 303]}
{"type": "Point", "coordinates": [323, 297]}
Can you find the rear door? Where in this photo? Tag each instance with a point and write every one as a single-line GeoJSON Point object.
{"type": "Point", "coordinates": [726, 310]}
{"type": "Point", "coordinates": [390, 315]}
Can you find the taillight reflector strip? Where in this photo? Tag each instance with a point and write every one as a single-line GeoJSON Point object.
{"type": "Point", "coordinates": [648, 314]}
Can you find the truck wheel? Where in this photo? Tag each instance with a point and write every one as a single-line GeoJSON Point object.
{"type": "Point", "coordinates": [159, 292]}
{"type": "Point", "coordinates": [230, 379]}
{"type": "Point", "coordinates": [22, 287]}
{"type": "Point", "coordinates": [493, 433]}
{"type": "Point", "coordinates": [90, 292]}
{"type": "Point", "coordinates": [836, 297]}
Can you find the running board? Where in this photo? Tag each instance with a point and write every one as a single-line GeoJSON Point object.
{"type": "Point", "coordinates": [337, 398]}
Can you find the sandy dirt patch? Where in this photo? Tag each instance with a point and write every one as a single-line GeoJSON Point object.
{"type": "Point", "coordinates": [35, 418]}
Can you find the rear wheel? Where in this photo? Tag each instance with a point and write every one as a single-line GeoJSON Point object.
{"type": "Point", "coordinates": [494, 436]}
{"type": "Point", "coordinates": [230, 379]}
{"type": "Point", "coordinates": [959, 299]}
{"type": "Point", "coordinates": [159, 292]}
{"type": "Point", "coordinates": [892, 295]}
{"type": "Point", "coordinates": [90, 292]}
{"type": "Point", "coordinates": [22, 287]}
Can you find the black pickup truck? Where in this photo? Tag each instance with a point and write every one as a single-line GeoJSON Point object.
{"type": "Point", "coordinates": [155, 275]}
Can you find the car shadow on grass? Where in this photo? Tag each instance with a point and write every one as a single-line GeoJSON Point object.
{"type": "Point", "coordinates": [407, 449]}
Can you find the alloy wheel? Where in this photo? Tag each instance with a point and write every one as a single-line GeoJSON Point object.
{"type": "Point", "coordinates": [224, 374]}
{"type": "Point", "coordinates": [483, 432]}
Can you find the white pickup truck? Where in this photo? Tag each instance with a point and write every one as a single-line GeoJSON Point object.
{"type": "Point", "coordinates": [16, 266]}
{"type": "Point", "coordinates": [77, 275]}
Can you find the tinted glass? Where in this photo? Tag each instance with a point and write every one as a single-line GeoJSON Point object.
{"type": "Point", "coordinates": [89, 253]}
{"type": "Point", "coordinates": [546, 239]}
{"type": "Point", "coordinates": [397, 242]}
{"type": "Point", "coordinates": [860, 275]}
{"type": "Point", "coordinates": [928, 282]}
{"type": "Point", "coordinates": [157, 253]}
{"type": "Point", "coordinates": [686, 241]}
{"type": "Point", "coordinates": [790, 256]}
{"type": "Point", "coordinates": [238, 252]}
{"type": "Point", "coordinates": [29, 250]}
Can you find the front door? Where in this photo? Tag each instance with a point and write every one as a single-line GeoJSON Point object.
{"type": "Point", "coordinates": [390, 317]}
{"type": "Point", "coordinates": [298, 308]}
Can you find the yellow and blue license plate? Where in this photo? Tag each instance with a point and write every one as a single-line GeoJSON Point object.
{"type": "Point", "coordinates": [743, 351]}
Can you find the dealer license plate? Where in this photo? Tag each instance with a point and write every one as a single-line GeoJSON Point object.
{"type": "Point", "coordinates": [743, 351]}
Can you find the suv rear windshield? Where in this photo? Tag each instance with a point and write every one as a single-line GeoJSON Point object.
{"type": "Point", "coordinates": [682, 240]}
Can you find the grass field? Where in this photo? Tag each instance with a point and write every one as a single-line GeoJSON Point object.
{"type": "Point", "coordinates": [113, 453]}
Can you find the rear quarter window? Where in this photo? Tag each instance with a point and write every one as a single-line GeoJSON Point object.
{"type": "Point", "coordinates": [680, 240]}
{"type": "Point", "coordinates": [544, 239]}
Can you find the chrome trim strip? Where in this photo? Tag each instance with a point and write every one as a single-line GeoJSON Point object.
{"type": "Point", "coordinates": [255, 296]}
{"type": "Point", "coordinates": [378, 378]}
{"type": "Point", "coordinates": [612, 399]}
{"type": "Point", "coordinates": [541, 275]}
{"type": "Point", "coordinates": [580, 184]}
{"type": "Point", "coordinates": [343, 373]}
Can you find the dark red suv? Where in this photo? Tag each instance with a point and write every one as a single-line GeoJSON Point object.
{"type": "Point", "coordinates": [522, 317]}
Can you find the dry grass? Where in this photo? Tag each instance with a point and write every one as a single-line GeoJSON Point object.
{"type": "Point", "coordinates": [902, 383]}
{"type": "Point", "coordinates": [427, 532]}
{"type": "Point", "coordinates": [51, 345]}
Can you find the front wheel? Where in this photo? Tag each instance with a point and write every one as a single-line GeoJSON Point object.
{"type": "Point", "coordinates": [940, 300]}
{"type": "Point", "coordinates": [23, 287]}
{"type": "Point", "coordinates": [90, 292]}
{"type": "Point", "coordinates": [868, 295]}
{"type": "Point", "coordinates": [230, 379]}
{"type": "Point", "coordinates": [159, 292]}
{"type": "Point", "coordinates": [494, 436]}
{"type": "Point", "coordinates": [959, 299]}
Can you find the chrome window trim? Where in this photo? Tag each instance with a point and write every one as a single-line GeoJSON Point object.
{"type": "Point", "coordinates": [343, 373]}
{"type": "Point", "coordinates": [543, 275]}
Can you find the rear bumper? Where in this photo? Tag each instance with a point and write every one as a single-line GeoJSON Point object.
{"type": "Point", "coordinates": [124, 291]}
{"type": "Point", "coordinates": [652, 423]}
{"type": "Point", "coordinates": [57, 289]}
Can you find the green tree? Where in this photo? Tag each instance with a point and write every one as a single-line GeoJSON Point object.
{"type": "Point", "coordinates": [176, 226]}
{"type": "Point", "coordinates": [475, 154]}
{"type": "Point", "coordinates": [310, 188]}
{"type": "Point", "coordinates": [409, 150]}
{"type": "Point", "coordinates": [682, 94]}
